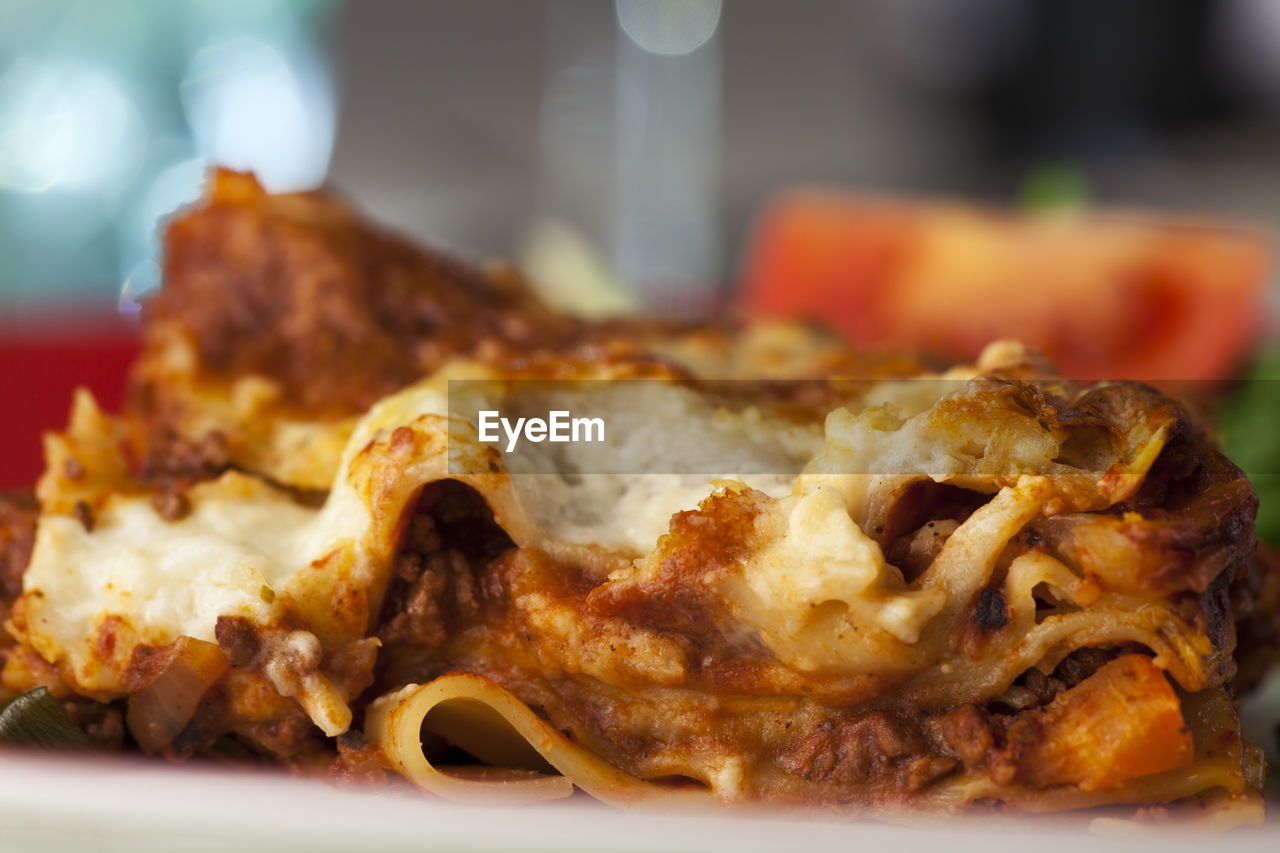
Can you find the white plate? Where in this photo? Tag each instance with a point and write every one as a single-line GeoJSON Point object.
{"type": "Point", "coordinates": [62, 803]}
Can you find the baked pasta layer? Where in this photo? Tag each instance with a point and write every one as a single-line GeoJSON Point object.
{"type": "Point", "coordinates": [984, 587]}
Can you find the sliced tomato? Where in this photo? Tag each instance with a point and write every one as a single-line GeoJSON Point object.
{"type": "Point", "coordinates": [1104, 296]}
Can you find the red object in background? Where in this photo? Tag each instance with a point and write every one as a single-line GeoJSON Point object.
{"type": "Point", "coordinates": [44, 359]}
{"type": "Point", "coordinates": [1104, 296]}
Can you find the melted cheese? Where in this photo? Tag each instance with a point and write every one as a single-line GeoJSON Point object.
{"type": "Point", "coordinates": [243, 544]}
{"type": "Point", "coordinates": [248, 549]}
{"type": "Point", "coordinates": [821, 595]}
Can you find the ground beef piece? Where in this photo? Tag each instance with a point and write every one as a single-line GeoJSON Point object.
{"type": "Point", "coordinates": [434, 591]}
{"type": "Point", "coordinates": [851, 750]}
{"type": "Point", "coordinates": [174, 464]}
{"type": "Point", "coordinates": [357, 763]}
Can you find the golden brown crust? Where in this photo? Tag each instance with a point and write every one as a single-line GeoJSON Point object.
{"type": "Point", "coordinates": [282, 317]}
{"type": "Point", "coordinates": [296, 289]}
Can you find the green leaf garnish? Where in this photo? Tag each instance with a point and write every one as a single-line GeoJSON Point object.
{"type": "Point", "coordinates": [36, 719]}
{"type": "Point", "coordinates": [1054, 186]}
{"type": "Point", "coordinates": [1248, 419]}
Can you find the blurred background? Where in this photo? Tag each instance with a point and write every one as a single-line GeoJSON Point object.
{"type": "Point", "coordinates": [665, 153]}
{"type": "Point", "coordinates": [641, 134]}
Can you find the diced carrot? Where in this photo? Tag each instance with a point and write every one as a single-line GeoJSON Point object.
{"type": "Point", "coordinates": [1122, 722]}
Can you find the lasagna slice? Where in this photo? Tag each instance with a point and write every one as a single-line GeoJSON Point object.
{"type": "Point", "coordinates": [986, 587]}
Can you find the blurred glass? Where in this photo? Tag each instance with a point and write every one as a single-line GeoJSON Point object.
{"type": "Point", "coordinates": [630, 153]}
{"type": "Point", "coordinates": [111, 111]}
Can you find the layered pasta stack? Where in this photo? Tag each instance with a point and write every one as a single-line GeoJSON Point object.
{"type": "Point", "coordinates": [806, 577]}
